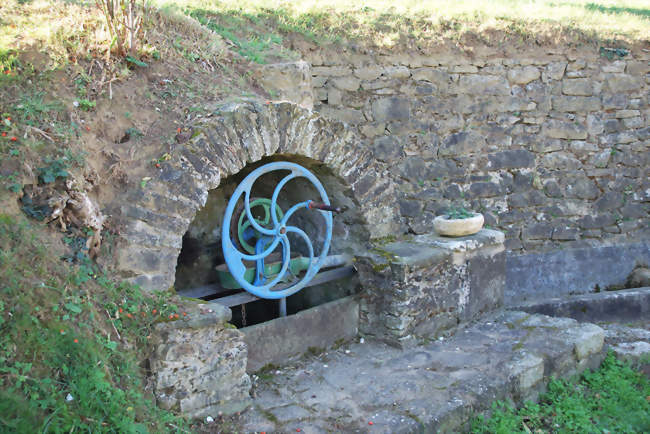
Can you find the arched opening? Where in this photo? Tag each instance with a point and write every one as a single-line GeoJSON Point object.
{"type": "Point", "coordinates": [200, 268]}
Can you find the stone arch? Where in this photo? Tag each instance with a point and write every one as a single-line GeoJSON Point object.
{"type": "Point", "coordinates": [156, 217]}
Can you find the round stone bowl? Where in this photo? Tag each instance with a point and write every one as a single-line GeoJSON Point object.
{"type": "Point", "coordinates": [458, 227]}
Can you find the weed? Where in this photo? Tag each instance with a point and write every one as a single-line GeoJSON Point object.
{"type": "Point", "coordinates": [611, 399]}
{"type": "Point", "coordinates": [85, 377]}
{"type": "Point", "coordinates": [87, 105]}
{"type": "Point", "coordinates": [33, 108]}
{"type": "Point", "coordinates": [133, 61]}
{"type": "Point", "coordinates": [55, 168]}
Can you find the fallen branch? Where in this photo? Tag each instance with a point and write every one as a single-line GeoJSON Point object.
{"type": "Point", "coordinates": [111, 321]}
{"type": "Point", "coordinates": [41, 132]}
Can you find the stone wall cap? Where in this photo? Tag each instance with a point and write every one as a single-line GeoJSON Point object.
{"type": "Point", "coordinates": [199, 315]}
{"type": "Point", "coordinates": [483, 238]}
{"type": "Point", "coordinates": [414, 254]}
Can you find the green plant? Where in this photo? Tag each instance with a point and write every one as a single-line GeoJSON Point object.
{"type": "Point", "coordinates": [87, 105]}
{"type": "Point", "coordinates": [33, 108]}
{"type": "Point", "coordinates": [55, 168]}
{"type": "Point", "coordinates": [67, 357]}
{"type": "Point", "coordinates": [458, 212]}
{"type": "Point", "coordinates": [611, 399]}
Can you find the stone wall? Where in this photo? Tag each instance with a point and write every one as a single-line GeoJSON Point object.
{"type": "Point", "coordinates": [552, 147]}
{"type": "Point", "coordinates": [426, 286]}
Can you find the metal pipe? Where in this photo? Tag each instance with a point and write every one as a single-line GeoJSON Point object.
{"type": "Point", "coordinates": [283, 307]}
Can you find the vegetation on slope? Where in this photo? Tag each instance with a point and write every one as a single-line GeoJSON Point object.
{"type": "Point", "coordinates": [424, 23]}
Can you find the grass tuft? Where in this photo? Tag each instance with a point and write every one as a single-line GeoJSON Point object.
{"type": "Point", "coordinates": [67, 339]}
{"type": "Point", "coordinates": [615, 398]}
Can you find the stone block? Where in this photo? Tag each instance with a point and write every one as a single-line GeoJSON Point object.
{"type": "Point", "coordinates": [463, 69]}
{"type": "Point", "coordinates": [594, 124]}
{"type": "Point", "coordinates": [632, 352]}
{"type": "Point", "coordinates": [615, 101]}
{"type": "Point", "coordinates": [582, 188]}
{"type": "Point", "coordinates": [547, 145]}
{"type": "Point", "coordinates": [635, 210]}
{"type": "Point", "coordinates": [430, 283]}
{"type": "Point", "coordinates": [578, 86]}
{"type": "Point", "coordinates": [600, 159]}
{"type": "Point", "coordinates": [347, 82]}
{"type": "Point", "coordinates": [331, 71]}
{"type": "Point", "coordinates": [564, 130]}
{"type": "Point", "coordinates": [347, 115]}
{"type": "Point", "coordinates": [616, 66]}
{"type": "Point", "coordinates": [575, 103]}
{"type": "Point", "coordinates": [637, 68]}
{"type": "Point", "coordinates": [397, 72]}
{"type": "Point", "coordinates": [410, 208]}
{"type": "Point", "coordinates": [391, 109]}
{"type": "Point", "coordinates": [439, 78]}
{"type": "Point", "coordinates": [552, 189]}
{"type": "Point", "coordinates": [517, 158]}
{"type": "Point", "coordinates": [622, 82]}
{"type": "Point", "coordinates": [290, 81]}
{"type": "Point", "coordinates": [537, 231]}
{"type": "Point", "coordinates": [483, 85]}
{"type": "Point", "coordinates": [523, 75]}
{"type": "Point", "coordinates": [596, 222]}
{"type": "Point", "coordinates": [555, 70]}
{"type": "Point", "coordinates": [622, 137]}
{"type": "Point", "coordinates": [485, 189]}
{"type": "Point", "coordinates": [633, 123]}
{"type": "Point", "coordinates": [200, 369]}
{"type": "Point", "coordinates": [334, 97]}
{"type": "Point", "coordinates": [463, 143]}
{"type": "Point", "coordinates": [387, 148]}
{"type": "Point", "coordinates": [527, 372]}
{"type": "Point", "coordinates": [560, 161]}
{"type": "Point", "coordinates": [369, 72]}
{"type": "Point", "coordinates": [565, 233]}
{"type": "Point", "coordinates": [589, 339]}
{"type": "Point", "coordinates": [611, 126]}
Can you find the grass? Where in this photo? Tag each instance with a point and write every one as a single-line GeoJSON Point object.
{"type": "Point", "coordinates": [67, 334]}
{"type": "Point", "coordinates": [385, 23]}
{"type": "Point", "coordinates": [615, 399]}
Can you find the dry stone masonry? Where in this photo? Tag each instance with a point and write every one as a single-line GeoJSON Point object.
{"type": "Point", "coordinates": [552, 149]}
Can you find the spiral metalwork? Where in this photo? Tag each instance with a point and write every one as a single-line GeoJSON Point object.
{"type": "Point", "coordinates": [268, 238]}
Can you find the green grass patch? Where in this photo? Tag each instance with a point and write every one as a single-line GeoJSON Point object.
{"type": "Point", "coordinates": [71, 341]}
{"type": "Point", "coordinates": [614, 399]}
{"type": "Point", "coordinates": [385, 22]}
{"type": "Point", "coordinates": [252, 44]}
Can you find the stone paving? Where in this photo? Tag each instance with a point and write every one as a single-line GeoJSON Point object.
{"type": "Point", "coordinates": [368, 386]}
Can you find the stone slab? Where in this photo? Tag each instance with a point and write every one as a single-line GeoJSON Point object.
{"type": "Point", "coordinates": [539, 276]}
{"type": "Point", "coordinates": [319, 327]}
{"type": "Point", "coordinates": [368, 386]}
{"type": "Point", "coordinates": [624, 306]}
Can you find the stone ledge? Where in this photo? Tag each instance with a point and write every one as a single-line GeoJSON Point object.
{"type": "Point", "coordinates": [435, 387]}
{"type": "Point", "coordinates": [624, 305]}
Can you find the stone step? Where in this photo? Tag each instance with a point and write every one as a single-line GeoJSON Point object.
{"type": "Point", "coordinates": [368, 386]}
{"type": "Point", "coordinates": [615, 306]}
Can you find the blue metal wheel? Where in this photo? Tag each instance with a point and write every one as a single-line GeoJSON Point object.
{"type": "Point", "coordinates": [272, 233]}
